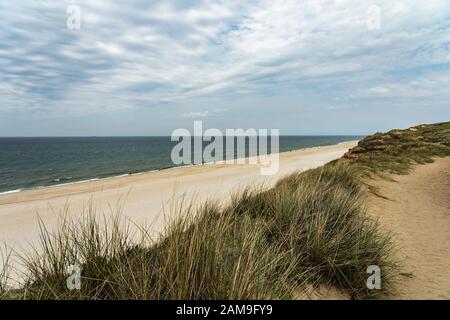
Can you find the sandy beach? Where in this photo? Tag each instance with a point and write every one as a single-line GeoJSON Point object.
{"type": "Point", "coordinates": [143, 198]}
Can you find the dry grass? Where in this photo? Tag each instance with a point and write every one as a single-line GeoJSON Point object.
{"type": "Point", "coordinates": [5, 255]}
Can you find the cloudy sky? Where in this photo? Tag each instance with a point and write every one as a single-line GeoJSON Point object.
{"type": "Point", "coordinates": [149, 67]}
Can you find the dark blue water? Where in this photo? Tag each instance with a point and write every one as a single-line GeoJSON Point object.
{"type": "Point", "coordinates": [35, 162]}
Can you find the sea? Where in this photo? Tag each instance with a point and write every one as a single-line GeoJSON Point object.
{"type": "Point", "coordinates": [27, 163]}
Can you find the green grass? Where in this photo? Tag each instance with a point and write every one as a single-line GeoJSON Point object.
{"type": "Point", "coordinates": [397, 151]}
{"type": "Point", "coordinates": [311, 228]}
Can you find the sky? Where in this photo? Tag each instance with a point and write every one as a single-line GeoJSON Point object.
{"type": "Point", "coordinates": [83, 68]}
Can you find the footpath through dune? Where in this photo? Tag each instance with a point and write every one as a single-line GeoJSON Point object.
{"type": "Point", "coordinates": [417, 212]}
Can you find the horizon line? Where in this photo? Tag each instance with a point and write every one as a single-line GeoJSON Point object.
{"type": "Point", "coordinates": [168, 136]}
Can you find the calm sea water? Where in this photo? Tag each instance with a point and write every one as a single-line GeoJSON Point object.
{"type": "Point", "coordinates": [38, 162]}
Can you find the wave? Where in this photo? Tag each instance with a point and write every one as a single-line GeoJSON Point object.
{"type": "Point", "coordinates": [87, 180]}
{"type": "Point", "coordinates": [10, 191]}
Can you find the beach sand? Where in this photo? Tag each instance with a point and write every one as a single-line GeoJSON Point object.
{"type": "Point", "coordinates": [417, 212]}
{"type": "Point", "coordinates": [144, 198]}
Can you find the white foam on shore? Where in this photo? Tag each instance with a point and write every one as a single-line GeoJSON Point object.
{"type": "Point", "coordinates": [9, 192]}
{"type": "Point", "coordinates": [64, 184]}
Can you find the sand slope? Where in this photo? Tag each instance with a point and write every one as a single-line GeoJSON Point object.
{"type": "Point", "coordinates": [418, 213]}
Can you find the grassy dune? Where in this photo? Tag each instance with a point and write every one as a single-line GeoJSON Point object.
{"type": "Point", "coordinates": [397, 150]}
{"type": "Point", "coordinates": [311, 228]}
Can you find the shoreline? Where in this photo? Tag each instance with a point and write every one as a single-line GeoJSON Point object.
{"type": "Point", "coordinates": [26, 189]}
{"type": "Point", "coordinates": [149, 198]}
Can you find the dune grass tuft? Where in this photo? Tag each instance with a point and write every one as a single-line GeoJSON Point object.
{"type": "Point", "coordinates": [319, 216]}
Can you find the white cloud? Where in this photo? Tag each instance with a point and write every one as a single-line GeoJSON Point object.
{"type": "Point", "coordinates": [196, 115]}
{"type": "Point", "coordinates": [110, 48]}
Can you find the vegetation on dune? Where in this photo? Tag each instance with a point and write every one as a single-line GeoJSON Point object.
{"type": "Point", "coordinates": [209, 257]}
{"type": "Point", "coordinates": [310, 228]}
{"type": "Point", "coordinates": [397, 150]}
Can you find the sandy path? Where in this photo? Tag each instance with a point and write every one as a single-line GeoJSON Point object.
{"type": "Point", "coordinates": [143, 196]}
{"type": "Point", "coordinates": [418, 213]}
